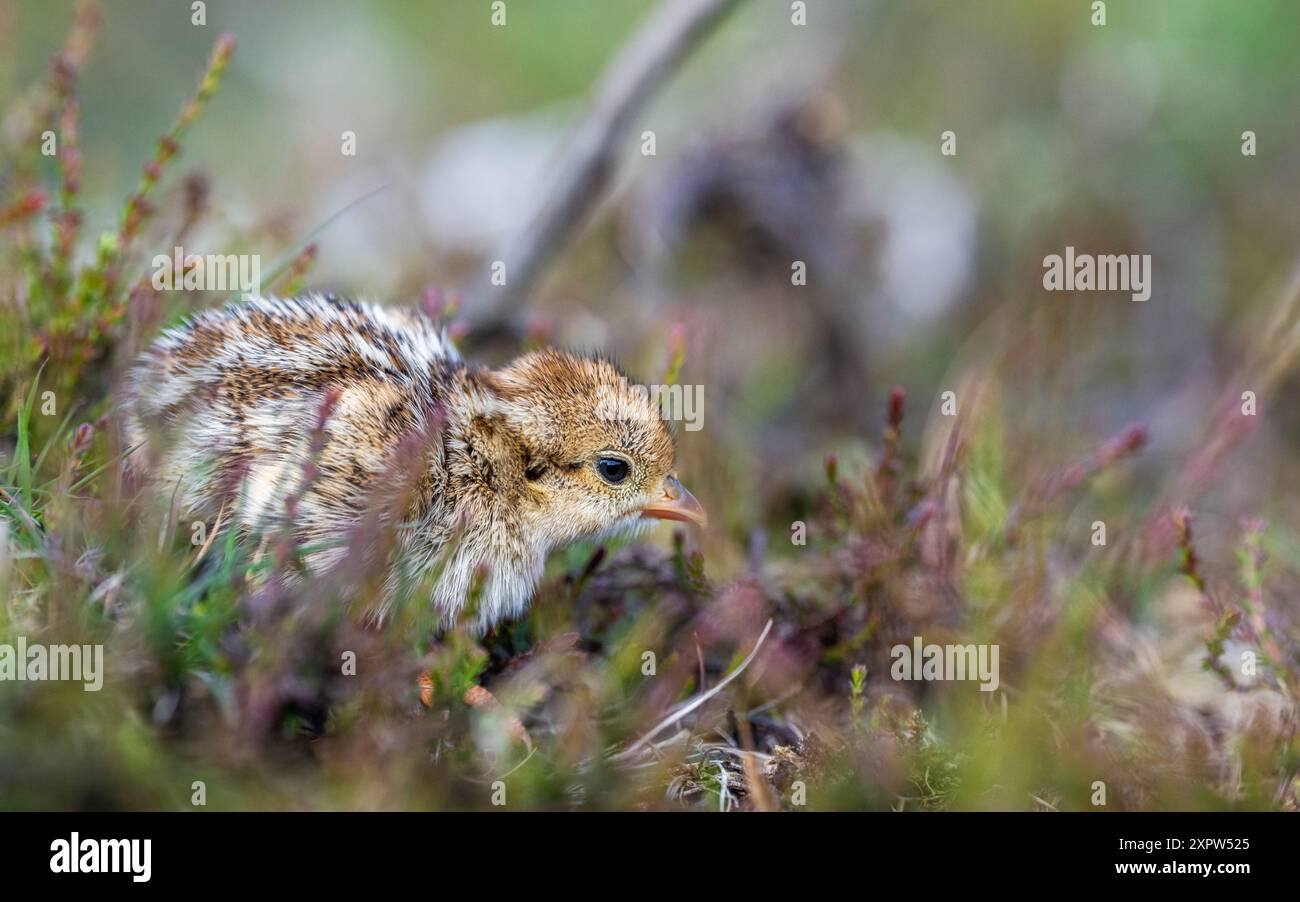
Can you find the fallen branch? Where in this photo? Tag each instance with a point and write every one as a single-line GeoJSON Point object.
{"type": "Point", "coordinates": [671, 32]}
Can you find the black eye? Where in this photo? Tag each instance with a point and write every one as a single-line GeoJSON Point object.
{"type": "Point", "coordinates": [612, 470]}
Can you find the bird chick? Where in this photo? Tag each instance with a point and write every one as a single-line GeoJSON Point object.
{"type": "Point", "coordinates": [307, 416]}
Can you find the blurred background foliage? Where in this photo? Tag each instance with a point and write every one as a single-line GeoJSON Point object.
{"type": "Point", "coordinates": [774, 143]}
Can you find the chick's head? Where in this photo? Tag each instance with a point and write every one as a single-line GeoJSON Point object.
{"type": "Point", "coordinates": [598, 458]}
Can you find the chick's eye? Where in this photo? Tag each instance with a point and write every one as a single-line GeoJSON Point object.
{"type": "Point", "coordinates": [612, 470]}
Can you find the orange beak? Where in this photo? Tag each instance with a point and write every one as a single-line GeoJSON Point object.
{"type": "Point", "coordinates": [676, 504]}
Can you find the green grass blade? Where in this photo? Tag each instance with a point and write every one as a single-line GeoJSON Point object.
{"type": "Point", "coordinates": [22, 463]}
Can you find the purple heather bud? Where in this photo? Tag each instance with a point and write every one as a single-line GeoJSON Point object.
{"type": "Point", "coordinates": [81, 439]}
{"type": "Point", "coordinates": [896, 398]}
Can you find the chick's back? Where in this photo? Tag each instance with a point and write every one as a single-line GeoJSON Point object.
{"type": "Point", "coordinates": [228, 405]}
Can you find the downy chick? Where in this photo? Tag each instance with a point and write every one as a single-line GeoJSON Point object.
{"type": "Point", "coordinates": [297, 415]}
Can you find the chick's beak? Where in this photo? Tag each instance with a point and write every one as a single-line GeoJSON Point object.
{"type": "Point", "coordinates": [676, 504]}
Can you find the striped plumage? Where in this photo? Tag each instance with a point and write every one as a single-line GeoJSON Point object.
{"type": "Point", "coordinates": [478, 473]}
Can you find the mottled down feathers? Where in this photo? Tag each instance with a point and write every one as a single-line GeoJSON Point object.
{"type": "Point", "coordinates": [323, 417]}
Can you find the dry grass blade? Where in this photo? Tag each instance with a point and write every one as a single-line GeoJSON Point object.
{"type": "Point", "coordinates": [689, 706]}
